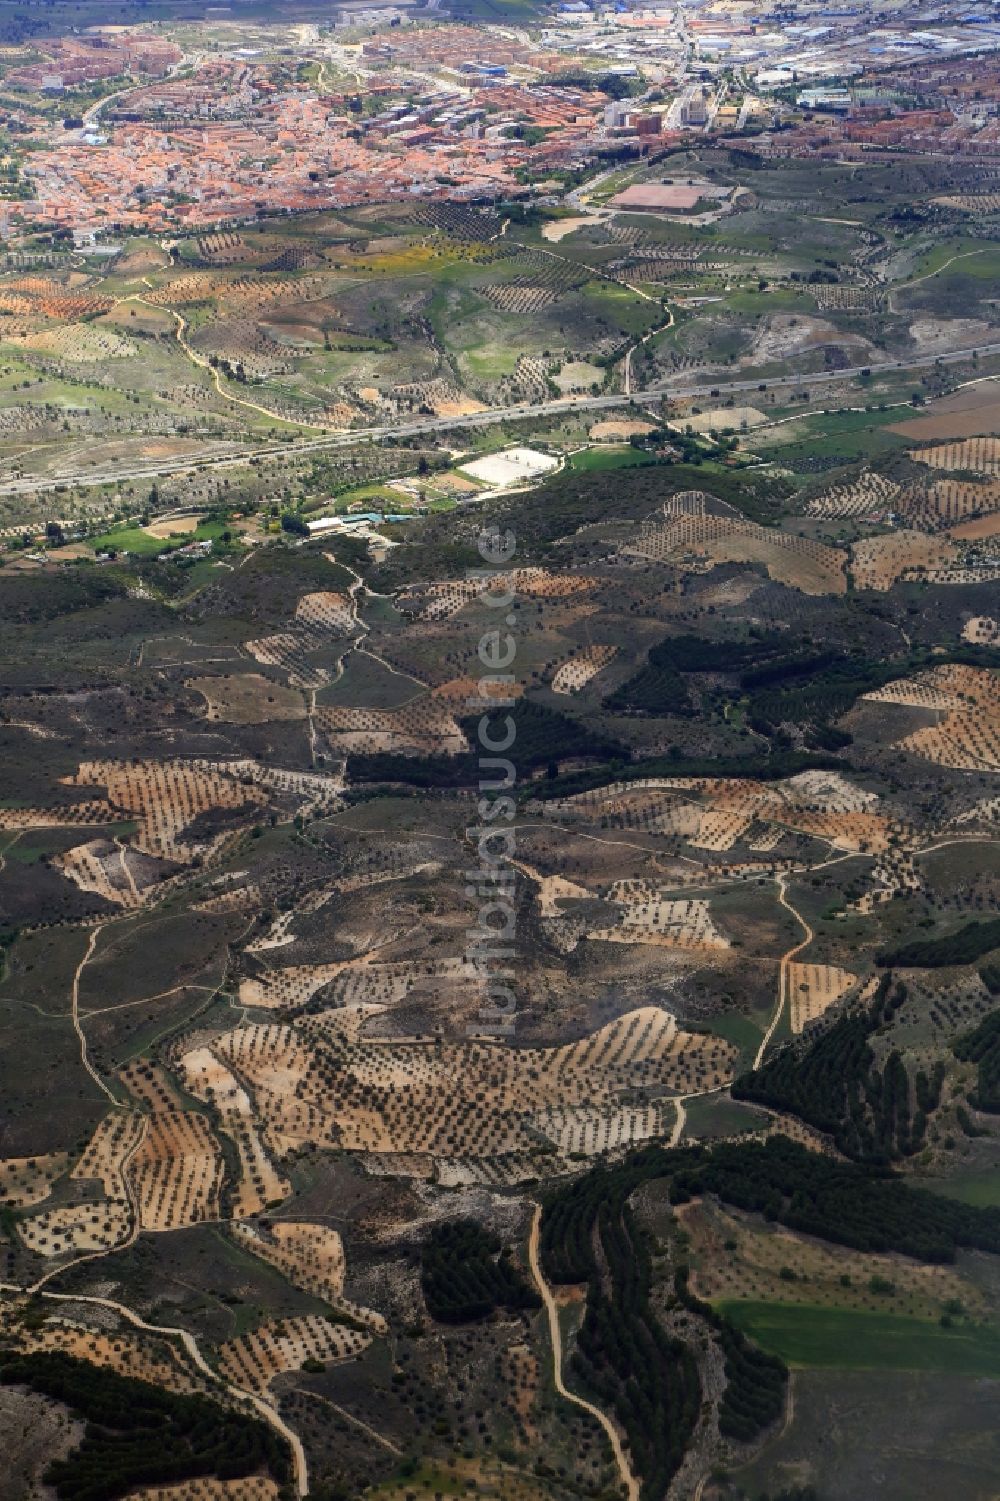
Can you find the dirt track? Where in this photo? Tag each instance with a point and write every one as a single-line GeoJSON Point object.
{"type": "Point", "coordinates": [629, 1481]}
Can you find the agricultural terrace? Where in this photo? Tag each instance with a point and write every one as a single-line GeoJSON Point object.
{"type": "Point", "coordinates": [389, 1092]}
{"type": "Point", "coordinates": [966, 701]}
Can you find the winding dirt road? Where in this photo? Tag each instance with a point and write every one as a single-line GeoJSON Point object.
{"type": "Point", "coordinates": [264, 1409]}
{"type": "Point", "coordinates": [555, 1335]}
{"type": "Point", "coordinates": [78, 1029]}
{"type": "Point", "coordinates": [783, 964]}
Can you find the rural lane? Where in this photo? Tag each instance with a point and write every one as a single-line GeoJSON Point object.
{"type": "Point", "coordinates": [264, 1409]}
{"type": "Point", "coordinates": [555, 1335]}
{"type": "Point", "coordinates": [783, 964]}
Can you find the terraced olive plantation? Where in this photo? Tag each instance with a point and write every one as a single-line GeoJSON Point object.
{"type": "Point", "coordinates": [498, 836]}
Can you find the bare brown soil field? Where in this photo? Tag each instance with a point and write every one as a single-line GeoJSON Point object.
{"type": "Point", "coordinates": [963, 414]}
{"type": "Point", "coordinates": [975, 531]}
{"type": "Point", "coordinates": [618, 430]}
{"type": "Point", "coordinates": [175, 526]}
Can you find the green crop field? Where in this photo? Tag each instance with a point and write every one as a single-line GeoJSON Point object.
{"type": "Point", "coordinates": [854, 1340]}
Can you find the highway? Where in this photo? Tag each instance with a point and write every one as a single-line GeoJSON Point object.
{"type": "Point", "coordinates": [425, 426]}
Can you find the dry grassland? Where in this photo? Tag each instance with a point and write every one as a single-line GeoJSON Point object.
{"type": "Point", "coordinates": [700, 542]}
{"type": "Point", "coordinates": [424, 727]}
{"type": "Point", "coordinates": [722, 419]}
{"type": "Point", "coordinates": [247, 698]}
{"type": "Point", "coordinates": [754, 1269]}
{"type": "Point", "coordinates": [79, 343]}
{"type": "Point", "coordinates": [312, 1258]}
{"type": "Point", "coordinates": [280, 933]}
{"type": "Point", "coordinates": [482, 1477]}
